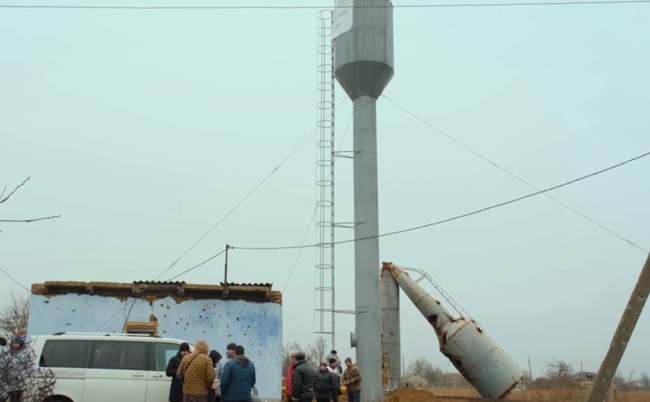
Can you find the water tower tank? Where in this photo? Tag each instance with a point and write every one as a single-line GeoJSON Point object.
{"type": "Point", "coordinates": [363, 46]}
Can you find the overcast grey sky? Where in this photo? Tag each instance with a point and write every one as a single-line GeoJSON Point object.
{"type": "Point", "coordinates": [143, 128]}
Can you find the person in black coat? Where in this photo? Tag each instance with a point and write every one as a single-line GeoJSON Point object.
{"type": "Point", "coordinates": [176, 389]}
{"type": "Point", "coordinates": [303, 380]}
{"type": "Point", "coordinates": [213, 395]}
{"type": "Point", "coordinates": [323, 384]}
{"type": "Point", "coordinates": [334, 370]}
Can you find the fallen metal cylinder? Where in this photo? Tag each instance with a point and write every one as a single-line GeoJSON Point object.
{"type": "Point", "coordinates": [474, 354]}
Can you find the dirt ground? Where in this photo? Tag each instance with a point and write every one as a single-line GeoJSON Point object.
{"type": "Point", "coordinates": [469, 395]}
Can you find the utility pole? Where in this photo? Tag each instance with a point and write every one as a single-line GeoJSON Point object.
{"type": "Point", "coordinates": [225, 267]}
{"type": "Point", "coordinates": [622, 336]}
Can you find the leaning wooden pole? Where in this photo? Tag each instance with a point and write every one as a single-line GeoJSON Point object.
{"type": "Point", "coordinates": [622, 336]}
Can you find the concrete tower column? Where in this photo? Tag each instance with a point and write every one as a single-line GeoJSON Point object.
{"type": "Point", "coordinates": [390, 331]}
{"type": "Point", "coordinates": [366, 252]}
{"type": "Point", "coordinates": [363, 57]}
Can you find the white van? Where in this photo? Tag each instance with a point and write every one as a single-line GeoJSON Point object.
{"type": "Point", "coordinates": [106, 367]}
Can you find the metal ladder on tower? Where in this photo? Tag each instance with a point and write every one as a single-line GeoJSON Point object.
{"type": "Point", "coordinates": [325, 268]}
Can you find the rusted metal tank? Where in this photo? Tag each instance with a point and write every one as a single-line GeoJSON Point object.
{"type": "Point", "coordinates": [476, 356]}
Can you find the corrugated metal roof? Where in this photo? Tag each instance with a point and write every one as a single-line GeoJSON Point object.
{"type": "Point", "coordinates": [152, 290]}
{"type": "Point", "coordinates": [261, 285]}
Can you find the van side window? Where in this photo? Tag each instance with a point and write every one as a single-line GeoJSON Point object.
{"type": "Point", "coordinates": [163, 353]}
{"type": "Point", "coordinates": [119, 355]}
{"type": "Point", "coordinates": [65, 354]}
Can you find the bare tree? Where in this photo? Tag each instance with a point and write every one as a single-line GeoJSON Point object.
{"type": "Point", "coordinates": [315, 352]}
{"type": "Point", "coordinates": [644, 380]}
{"type": "Point", "coordinates": [559, 370]}
{"type": "Point", "coordinates": [4, 199]}
{"type": "Point", "coordinates": [15, 316]}
{"type": "Point", "coordinates": [425, 369]}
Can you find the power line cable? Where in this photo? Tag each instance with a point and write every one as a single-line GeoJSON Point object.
{"type": "Point", "coordinates": [193, 267]}
{"type": "Point", "coordinates": [109, 319]}
{"type": "Point", "coordinates": [139, 293]}
{"type": "Point", "coordinates": [311, 221]}
{"type": "Point", "coordinates": [223, 218]}
{"type": "Point", "coordinates": [299, 253]}
{"type": "Point", "coordinates": [14, 280]}
{"type": "Point", "coordinates": [128, 314]}
{"type": "Point", "coordinates": [463, 215]}
{"type": "Point", "coordinates": [314, 7]}
{"type": "Point", "coordinates": [345, 132]}
{"type": "Point", "coordinates": [239, 203]}
{"type": "Point", "coordinates": [136, 297]}
{"type": "Point", "coordinates": [514, 175]}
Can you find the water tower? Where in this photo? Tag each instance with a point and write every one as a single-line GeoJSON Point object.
{"type": "Point", "coordinates": [363, 54]}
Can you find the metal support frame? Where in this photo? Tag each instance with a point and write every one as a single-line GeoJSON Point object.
{"type": "Point", "coordinates": [325, 268]}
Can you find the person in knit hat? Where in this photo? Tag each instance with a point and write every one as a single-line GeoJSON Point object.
{"type": "Point", "coordinates": [303, 380]}
{"type": "Point", "coordinates": [323, 384]}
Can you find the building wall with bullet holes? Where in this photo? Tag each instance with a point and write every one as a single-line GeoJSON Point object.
{"type": "Point", "coordinates": [255, 325]}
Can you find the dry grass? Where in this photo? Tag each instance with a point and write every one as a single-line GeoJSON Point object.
{"type": "Point", "coordinates": [642, 396]}
{"type": "Point", "coordinates": [571, 394]}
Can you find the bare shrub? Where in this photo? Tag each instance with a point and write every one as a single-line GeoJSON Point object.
{"type": "Point", "coordinates": [14, 317]}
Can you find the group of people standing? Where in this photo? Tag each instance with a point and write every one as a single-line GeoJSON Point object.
{"type": "Point", "coordinates": [199, 376]}
{"type": "Point", "coordinates": [304, 385]}
{"type": "Point", "coordinates": [16, 368]}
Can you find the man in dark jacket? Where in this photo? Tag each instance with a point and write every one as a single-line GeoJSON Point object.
{"type": "Point", "coordinates": [238, 378]}
{"type": "Point", "coordinates": [323, 384]}
{"type": "Point", "coordinates": [176, 389]}
{"type": "Point", "coordinates": [303, 380]}
{"type": "Point", "coordinates": [336, 377]}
